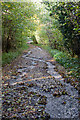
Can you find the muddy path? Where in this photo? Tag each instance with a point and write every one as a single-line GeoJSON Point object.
{"type": "Point", "coordinates": [35, 91]}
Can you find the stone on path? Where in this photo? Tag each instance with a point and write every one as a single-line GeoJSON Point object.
{"type": "Point", "coordinates": [37, 91]}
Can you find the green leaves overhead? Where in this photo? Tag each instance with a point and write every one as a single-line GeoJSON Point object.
{"type": "Point", "coordinates": [67, 13]}
{"type": "Point", "coordinates": [17, 18]}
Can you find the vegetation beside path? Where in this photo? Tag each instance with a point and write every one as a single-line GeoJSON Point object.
{"type": "Point", "coordinates": [7, 58]}
{"type": "Point", "coordinates": [45, 24]}
{"type": "Point", "coordinates": [35, 90]}
{"type": "Point", "coordinates": [51, 76]}
{"type": "Point", "coordinates": [71, 64]}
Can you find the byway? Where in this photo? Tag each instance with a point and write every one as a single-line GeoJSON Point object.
{"type": "Point", "coordinates": [37, 91]}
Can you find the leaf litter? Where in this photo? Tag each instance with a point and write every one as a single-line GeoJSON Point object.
{"type": "Point", "coordinates": [35, 92]}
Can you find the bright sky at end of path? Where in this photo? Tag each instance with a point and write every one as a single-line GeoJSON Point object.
{"type": "Point", "coordinates": [55, 0]}
{"type": "Point", "coordinates": [36, 0]}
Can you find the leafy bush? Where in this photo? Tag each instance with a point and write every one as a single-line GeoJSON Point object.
{"type": "Point", "coordinates": [11, 55]}
{"type": "Point", "coordinates": [71, 64]}
{"type": "Point", "coordinates": [8, 57]}
{"type": "Point", "coordinates": [67, 14]}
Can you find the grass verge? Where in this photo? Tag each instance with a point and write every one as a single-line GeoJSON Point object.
{"type": "Point", "coordinates": [11, 55]}
{"type": "Point", "coordinates": [66, 60]}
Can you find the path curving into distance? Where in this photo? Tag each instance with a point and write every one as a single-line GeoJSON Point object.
{"type": "Point", "coordinates": [37, 91]}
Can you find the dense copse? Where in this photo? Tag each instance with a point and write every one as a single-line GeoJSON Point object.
{"type": "Point", "coordinates": [68, 16]}
{"type": "Point", "coordinates": [17, 24]}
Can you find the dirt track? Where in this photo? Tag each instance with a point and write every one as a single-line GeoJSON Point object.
{"type": "Point", "coordinates": [36, 91]}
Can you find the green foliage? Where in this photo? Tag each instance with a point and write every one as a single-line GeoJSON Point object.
{"type": "Point", "coordinates": [17, 23]}
{"type": "Point", "coordinates": [49, 32]}
{"type": "Point", "coordinates": [65, 59]}
{"type": "Point", "coordinates": [71, 64]}
{"type": "Point", "coordinates": [34, 39]}
{"type": "Point", "coordinates": [68, 17]}
{"type": "Point", "coordinates": [11, 55]}
{"type": "Point", "coordinates": [67, 13]}
{"type": "Point", "coordinates": [43, 35]}
{"type": "Point", "coordinates": [8, 57]}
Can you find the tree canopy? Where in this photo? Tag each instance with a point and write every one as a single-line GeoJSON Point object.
{"type": "Point", "coordinates": [67, 14]}
{"type": "Point", "coordinates": [55, 23]}
{"type": "Point", "coordinates": [18, 22]}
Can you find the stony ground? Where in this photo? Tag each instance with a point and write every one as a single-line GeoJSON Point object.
{"type": "Point", "coordinates": [35, 91]}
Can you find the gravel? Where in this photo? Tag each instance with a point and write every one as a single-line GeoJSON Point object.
{"type": "Point", "coordinates": [38, 91]}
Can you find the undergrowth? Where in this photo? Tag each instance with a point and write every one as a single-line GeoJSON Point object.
{"type": "Point", "coordinates": [71, 64]}
{"type": "Point", "coordinates": [12, 54]}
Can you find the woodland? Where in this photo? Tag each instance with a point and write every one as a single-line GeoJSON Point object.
{"type": "Point", "coordinates": [55, 25]}
{"type": "Point", "coordinates": [40, 60]}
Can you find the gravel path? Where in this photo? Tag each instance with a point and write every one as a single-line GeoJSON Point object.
{"type": "Point", "coordinates": [37, 91]}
